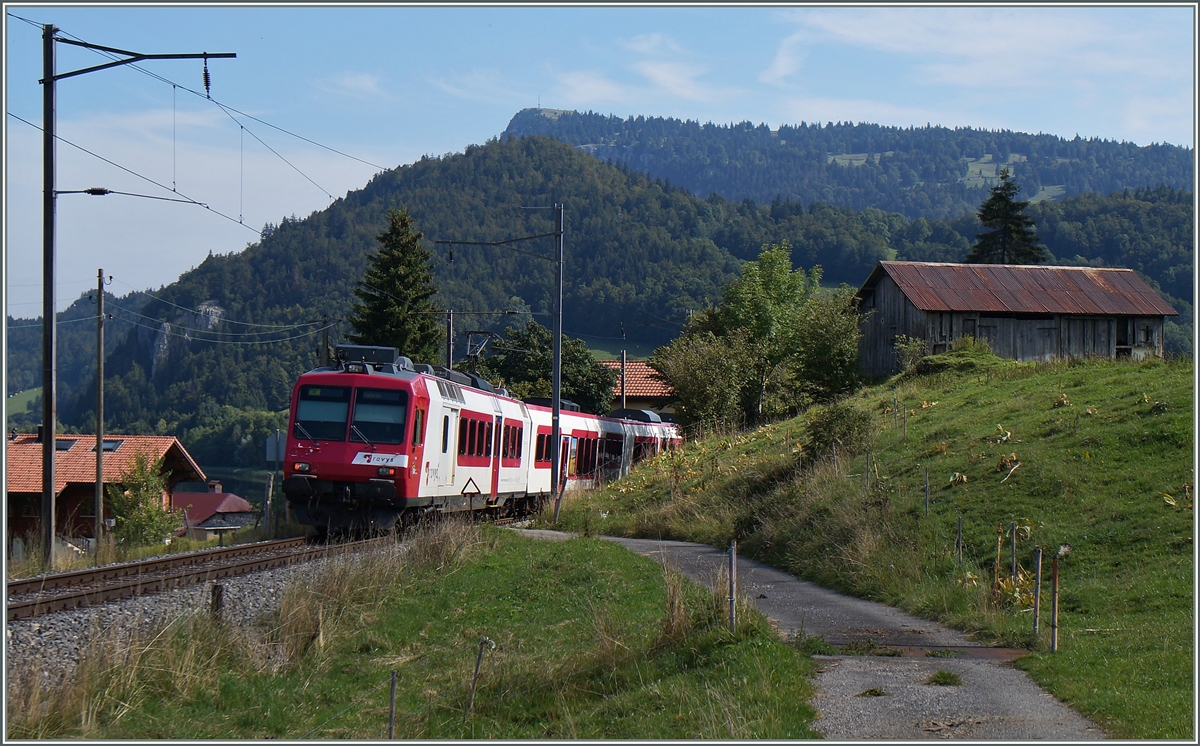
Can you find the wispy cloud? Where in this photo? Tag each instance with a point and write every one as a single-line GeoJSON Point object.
{"type": "Point", "coordinates": [359, 85]}
{"type": "Point", "coordinates": [484, 86]}
{"type": "Point", "coordinates": [662, 70]}
{"type": "Point", "coordinates": [996, 47]}
{"type": "Point", "coordinates": [678, 79]}
{"type": "Point", "coordinates": [1146, 117]}
{"type": "Point", "coordinates": [581, 87]}
{"type": "Point", "coordinates": [652, 44]}
{"type": "Point", "coordinates": [789, 59]}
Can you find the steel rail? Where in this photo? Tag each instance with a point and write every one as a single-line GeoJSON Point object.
{"type": "Point", "coordinates": [141, 567]}
{"type": "Point", "coordinates": [23, 609]}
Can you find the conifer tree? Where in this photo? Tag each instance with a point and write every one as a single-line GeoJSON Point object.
{"type": "Point", "coordinates": [1012, 239]}
{"type": "Point", "coordinates": [394, 307]}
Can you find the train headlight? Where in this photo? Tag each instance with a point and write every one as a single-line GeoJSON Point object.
{"type": "Point", "coordinates": [301, 467]}
{"type": "Point", "coordinates": [387, 471]}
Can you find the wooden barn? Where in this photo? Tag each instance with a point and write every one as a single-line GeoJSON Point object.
{"type": "Point", "coordinates": [1024, 312]}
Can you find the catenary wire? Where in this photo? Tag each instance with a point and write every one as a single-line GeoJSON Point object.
{"type": "Point", "coordinates": [198, 94]}
{"type": "Point", "coordinates": [210, 331]}
{"type": "Point", "coordinates": [59, 323]}
{"type": "Point", "coordinates": [222, 341]}
{"type": "Point", "coordinates": [140, 176]}
{"type": "Point", "coordinates": [268, 147]}
{"type": "Point", "coordinates": [192, 310]}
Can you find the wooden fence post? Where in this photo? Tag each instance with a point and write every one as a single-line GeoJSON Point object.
{"type": "Point", "coordinates": [926, 490]}
{"type": "Point", "coordinates": [392, 710]}
{"type": "Point", "coordinates": [1054, 604]}
{"type": "Point", "coordinates": [733, 586]}
{"type": "Point", "coordinates": [1037, 589]}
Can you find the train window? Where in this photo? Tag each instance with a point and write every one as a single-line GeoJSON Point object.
{"type": "Point", "coordinates": [472, 430]}
{"type": "Point", "coordinates": [418, 427]}
{"type": "Point", "coordinates": [520, 443]}
{"type": "Point", "coordinates": [379, 416]}
{"type": "Point", "coordinates": [479, 437]}
{"type": "Point", "coordinates": [541, 448]}
{"type": "Point", "coordinates": [462, 436]}
{"type": "Point", "coordinates": [321, 413]}
{"type": "Point", "coordinates": [490, 429]}
{"type": "Point", "coordinates": [445, 433]}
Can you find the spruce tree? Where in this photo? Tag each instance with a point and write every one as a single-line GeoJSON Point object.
{"type": "Point", "coordinates": [1012, 239]}
{"type": "Point", "coordinates": [394, 307]}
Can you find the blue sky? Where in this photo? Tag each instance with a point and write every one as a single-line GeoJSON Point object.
{"type": "Point", "coordinates": [390, 84]}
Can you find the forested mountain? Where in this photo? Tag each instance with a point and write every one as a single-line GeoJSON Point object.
{"type": "Point", "coordinates": [930, 172]}
{"type": "Point", "coordinates": [76, 342]}
{"type": "Point", "coordinates": [210, 357]}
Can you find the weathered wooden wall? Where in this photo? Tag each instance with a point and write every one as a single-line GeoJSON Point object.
{"type": "Point", "coordinates": [888, 313]}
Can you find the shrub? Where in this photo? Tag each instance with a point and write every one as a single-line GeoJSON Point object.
{"type": "Point", "coordinates": [909, 351]}
{"type": "Point", "coordinates": [137, 504]}
{"type": "Point", "coordinates": [839, 423]}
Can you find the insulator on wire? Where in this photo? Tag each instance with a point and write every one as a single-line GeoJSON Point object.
{"type": "Point", "coordinates": [207, 79]}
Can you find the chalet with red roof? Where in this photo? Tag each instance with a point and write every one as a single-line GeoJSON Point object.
{"type": "Point", "coordinates": [1030, 313]}
{"type": "Point", "coordinates": [75, 476]}
{"type": "Point", "coordinates": [208, 514]}
{"type": "Point", "coordinates": [644, 388]}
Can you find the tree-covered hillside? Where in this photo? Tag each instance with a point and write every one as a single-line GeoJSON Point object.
{"type": "Point", "coordinates": [930, 172]}
{"type": "Point", "coordinates": [209, 357]}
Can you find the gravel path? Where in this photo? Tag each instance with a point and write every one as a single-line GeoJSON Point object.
{"type": "Point", "coordinates": [994, 701]}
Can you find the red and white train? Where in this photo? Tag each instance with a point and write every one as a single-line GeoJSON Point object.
{"type": "Point", "coordinates": [375, 441]}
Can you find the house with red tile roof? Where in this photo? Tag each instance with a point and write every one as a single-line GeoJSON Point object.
{"type": "Point", "coordinates": [75, 476]}
{"type": "Point", "coordinates": [643, 387]}
{"type": "Point", "coordinates": [1024, 312]}
{"type": "Point", "coordinates": [208, 514]}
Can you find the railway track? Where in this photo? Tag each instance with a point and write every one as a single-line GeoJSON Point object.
{"type": "Point", "coordinates": [72, 590]}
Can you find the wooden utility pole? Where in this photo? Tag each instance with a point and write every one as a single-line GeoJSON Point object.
{"type": "Point", "coordinates": [99, 405]}
{"type": "Point", "coordinates": [50, 77]}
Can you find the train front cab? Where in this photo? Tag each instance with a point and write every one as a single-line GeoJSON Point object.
{"type": "Point", "coordinates": [356, 437]}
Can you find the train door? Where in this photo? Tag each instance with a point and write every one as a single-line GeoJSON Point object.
{"type": "Point", "coordinates": [572, 456]}
{"type": "Point", "coordinates": [627, 450]}
{"type": "Point", "coordinates": [447, 453]}
{"type": "Point", "coordinates": [497, 444]}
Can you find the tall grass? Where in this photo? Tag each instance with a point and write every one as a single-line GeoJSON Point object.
{"type": "Point", "coordinates": [591, 641]}
{"type": "Point", "coordinates": [124, 667]}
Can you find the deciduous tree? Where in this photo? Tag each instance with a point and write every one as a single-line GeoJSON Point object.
{"type": "Point", "coordinates": [137, 504]}
{"type": "Point", "coordinates": [523, 362]}
{"type": "Point", "coordinates": [776, 342]}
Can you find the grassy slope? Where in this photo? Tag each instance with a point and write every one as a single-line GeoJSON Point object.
{"type": "Point", "coordinates": [19, 403]}
{"type": "Point", "coordinates": [588, 645]}
{"type": "Point", "coordinates": [1095, 473]}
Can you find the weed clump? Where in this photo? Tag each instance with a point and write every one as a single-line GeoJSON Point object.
{"type": "Point", "coordinates": [943, 677]}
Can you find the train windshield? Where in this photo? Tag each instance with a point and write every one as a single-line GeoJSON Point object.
{"type": "Point", "coordinates": [379, 416]}
{"type": "Point", "coordinates": [321, 413]}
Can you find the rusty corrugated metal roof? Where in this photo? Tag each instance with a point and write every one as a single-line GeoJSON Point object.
{"type": "Point", "coordinates": [1007, 288]}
